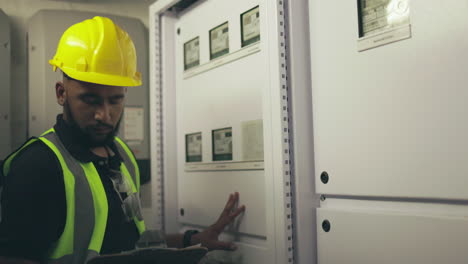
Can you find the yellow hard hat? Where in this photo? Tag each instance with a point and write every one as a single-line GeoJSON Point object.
{"type": "Point", "coordinates": [97, 51]}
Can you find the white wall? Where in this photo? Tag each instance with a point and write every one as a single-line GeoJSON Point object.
{"type": "Point", "coordinates": [19, 12]}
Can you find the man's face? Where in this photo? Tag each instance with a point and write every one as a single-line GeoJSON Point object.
{"type": "Point", "coordinates": [95, 109]}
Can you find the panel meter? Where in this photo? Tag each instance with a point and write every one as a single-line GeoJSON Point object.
{"type": "Point", "coordinates": [192, 53]}
{"type": "Point", "coordinates": [193, 147]}
{"type": "Point", "coordinates": [219, 41]}
{"type": "Point", "coordinates": [250, 26]}
{"type": "Point", "coordinates": [222, 144]}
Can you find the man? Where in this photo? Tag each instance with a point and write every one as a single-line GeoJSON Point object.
{"type": "Point", "coordinates": [72, 193]}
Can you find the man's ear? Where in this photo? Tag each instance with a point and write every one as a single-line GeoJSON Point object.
{"type": "Point", "coordinates": [60, 93]}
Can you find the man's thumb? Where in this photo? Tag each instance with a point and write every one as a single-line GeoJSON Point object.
{"type": "Point", "coordinates": [220, 245]}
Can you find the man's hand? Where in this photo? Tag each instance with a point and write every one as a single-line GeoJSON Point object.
{"type": "Point", "coordinates": [209, 237]}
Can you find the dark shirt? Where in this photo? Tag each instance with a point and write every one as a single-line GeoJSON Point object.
{"type": "Point", "coordinates": [33, 202]}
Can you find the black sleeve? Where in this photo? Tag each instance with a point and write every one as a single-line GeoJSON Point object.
{"type": "Point", "coordinates": [33, 204]}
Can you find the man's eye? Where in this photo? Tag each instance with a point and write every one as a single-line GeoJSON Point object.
{"type": "Point", "coordinates": [90, 100]}
{"type": "Point", "coordinates": [116, 100]}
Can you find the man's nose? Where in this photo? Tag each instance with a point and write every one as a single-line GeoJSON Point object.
{"type": "Point", "coordinates": [103, 113]}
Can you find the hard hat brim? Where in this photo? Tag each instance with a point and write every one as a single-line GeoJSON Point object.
{"type": "Point", "coordinates": [99, 78]}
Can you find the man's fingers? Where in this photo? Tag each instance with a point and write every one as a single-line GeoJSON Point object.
{"type": "Point", "coordinates": [225, 220]}
{"type": "Point", "coordinates": [230, 204]}
{"type": "Point", "coordinates": [237, 212]}
{"type": "Point", "coordinates": [233, 199]}
{"type": "Point", "coordinates": [229, 213]}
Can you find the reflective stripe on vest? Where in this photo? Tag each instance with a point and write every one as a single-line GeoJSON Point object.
{"type": "Point", "coordinates": [129, 169]}
{"type": "Point", "coordinates": [89, 210]}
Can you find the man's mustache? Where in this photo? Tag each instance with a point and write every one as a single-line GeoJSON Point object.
{"type": "Point", "coordinates": [101, 125]}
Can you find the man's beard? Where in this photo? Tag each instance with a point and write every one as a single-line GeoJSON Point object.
{"type": "Point", "coordinates": [85, 134]}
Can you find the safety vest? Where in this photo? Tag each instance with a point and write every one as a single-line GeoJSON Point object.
{"type": "Point", "coordinates": [86, 201]}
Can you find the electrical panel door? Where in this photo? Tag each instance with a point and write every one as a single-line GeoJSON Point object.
{"type": "Point", "coordinates": [218, 68]}
{"type": "Point", "coordinates": [391, 120]}
{"type": "Point", "coordinates": [391, 232]}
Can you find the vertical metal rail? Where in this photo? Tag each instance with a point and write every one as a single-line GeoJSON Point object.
{"type": "Point", "coordinates": [286, 143]}
{"type": "Point", "coordinates": [157, 126]}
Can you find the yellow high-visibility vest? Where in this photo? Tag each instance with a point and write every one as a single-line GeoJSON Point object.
{"type": "Point", "coordinates": [86, 219]}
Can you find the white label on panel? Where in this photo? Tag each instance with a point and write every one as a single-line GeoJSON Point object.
{"type": "Point", "coordinates": [225, 166]}
{"type": "Point", "coordinates": [239, 54]}
{"type": "Point", "coordinates": [384, 38]}
{"type": "Point", "coordinates": [252, 140]}
{"type": "Point", "coordinates": [134, 124]}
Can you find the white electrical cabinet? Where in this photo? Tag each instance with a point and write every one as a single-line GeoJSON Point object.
{"type": "Point", "coordinates": [390, 137]}
{"type": "Point", "coordinates": [222, 97]}
{"type": "Point", "coordinates": [44, 31]}
{"type": "Point", "coordinates": [384, 90]}
{"type": "Point", "coordinates": [390, 121]}
{"type": "Point", "coordinates": [5, 86]}
{"type": "Point", "coordinates": [220, 112]}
